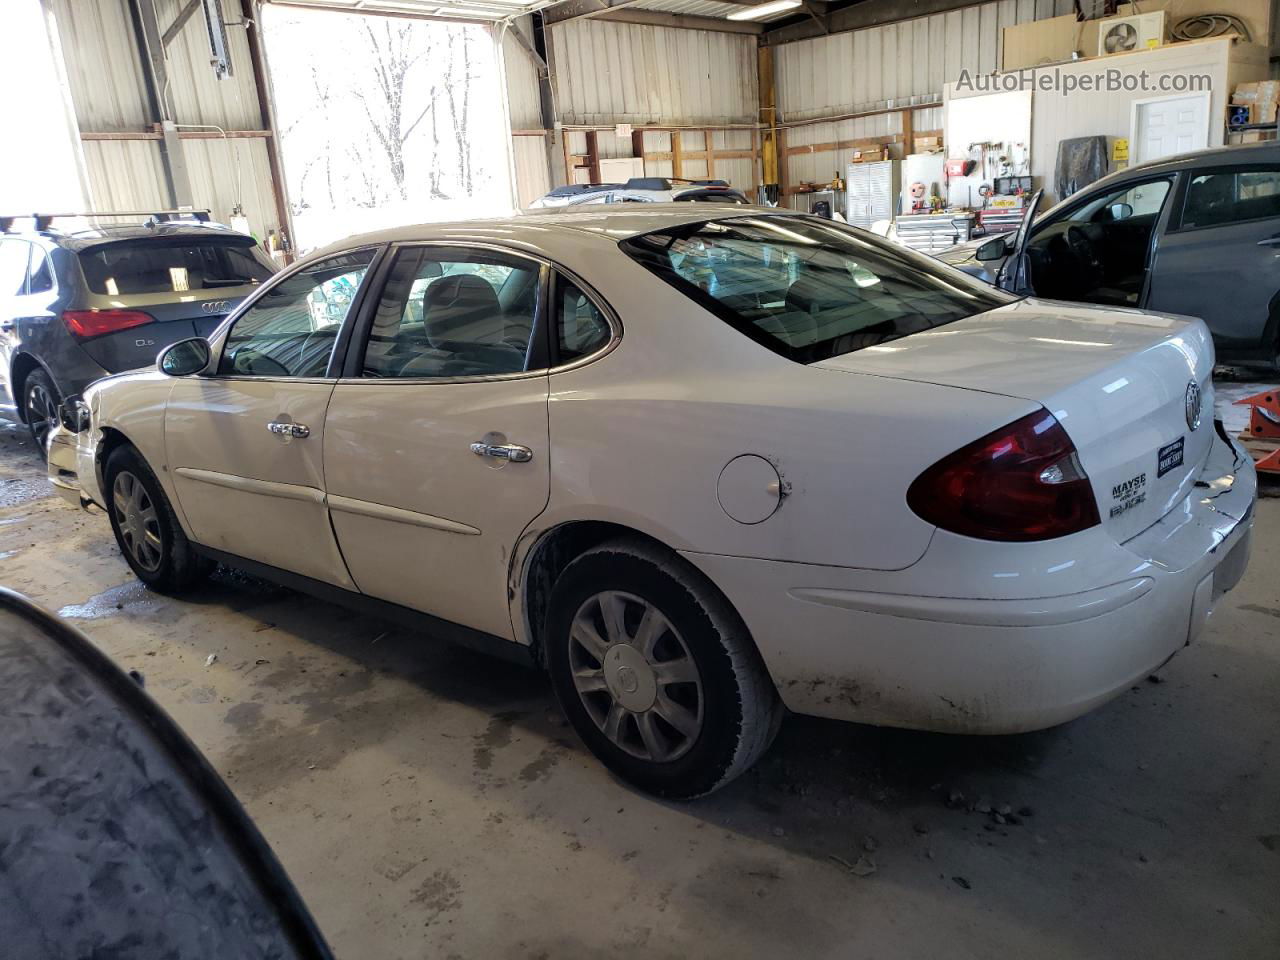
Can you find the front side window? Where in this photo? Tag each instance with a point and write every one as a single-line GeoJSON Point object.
{"type": "Point", "coordinates": [1098, 251]}
{"type": "Point", "coordinates": [581, 327]}
{"type": "Point", "coordinates": [291, 330]}
{"type": "Point", "coordinates": [1232, 196]}
{"type": "Point", "coordinates": [450, 312]}
{"type": "Point", "coordinates": [809, 289]}
{"type": "Point", "coordinates": [174, 265]}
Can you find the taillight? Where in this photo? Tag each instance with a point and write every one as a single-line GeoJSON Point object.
{"type": "Point", "coordinates": [1019, 483]}
{"type": "Point", "coordinates": [94, 323]}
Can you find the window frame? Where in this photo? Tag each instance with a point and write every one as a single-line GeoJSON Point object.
{"type": "Point", "coordinates": [543, 359]}
{"type": "Point", "coordinates": [218, 339]}
{"type": "Point", "coordinates": [1088, 195]}
{"type": "Point", "coordinates": [1184, 189]}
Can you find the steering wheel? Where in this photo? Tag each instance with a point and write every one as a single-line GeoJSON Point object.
{"type": "Point", "coordinates": [1086, 255]}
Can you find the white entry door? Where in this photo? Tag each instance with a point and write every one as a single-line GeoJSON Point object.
{"type": "Point", "coordinates": [1167, 126]}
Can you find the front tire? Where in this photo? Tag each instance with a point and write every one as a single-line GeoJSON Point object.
{"type": "Point", "coordinates": [656, 671]}
{"type": "Point", "coordinates": [146, 529]}
{"type": "Point", "coordinates": [40, 401]}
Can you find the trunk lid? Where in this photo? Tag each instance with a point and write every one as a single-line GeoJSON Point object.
{"type": "Point", "coordinates": [197, 314]}
{"type": "Point", "coordinates": [1117, 380]}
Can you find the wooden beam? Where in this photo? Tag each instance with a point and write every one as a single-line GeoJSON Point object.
{"type": "Point", "coordinates": [681, 21]}
{"type": "Point", "coordinates": [677, 158]}
{"type": "Point", "coordinates": [908, 131]}
{"type": "Point", "coordinates": [768, 116]}
{"type": "Point", "coordinates": [835, 146]}
{"type": "Point", "coordinates": [593, 156]}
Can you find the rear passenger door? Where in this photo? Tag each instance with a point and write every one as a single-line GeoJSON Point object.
{"type": "Point", "coordinates": [1220, 259]}
{"type": "Point", "coordinates": [436, 452]}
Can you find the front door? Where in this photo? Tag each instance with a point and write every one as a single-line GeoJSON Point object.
{"type": "Point", "coordinates": [436, 450]}
{"type": "Point", "coordinates": [1220, 259]}
{"type": "Point", "coordinates": [245, 444]}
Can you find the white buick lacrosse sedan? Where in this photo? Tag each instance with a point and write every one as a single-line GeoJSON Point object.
{"type": "Point", "coordinates": [701, 463]}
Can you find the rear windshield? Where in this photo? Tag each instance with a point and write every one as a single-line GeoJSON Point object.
{"type": "Point", "coordinates": [173, 265]}
{"type": "Point", "coordinates": [810, 289]}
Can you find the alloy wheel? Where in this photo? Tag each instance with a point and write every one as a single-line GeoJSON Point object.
{"type": "Point", "coordinates": [635, 676]}
{"type": "Point", "coordinates": [137, 520]}
{"type": "Point", "coordinates": [42, 411]}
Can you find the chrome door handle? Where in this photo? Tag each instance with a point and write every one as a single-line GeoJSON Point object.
{"type": "Point", "coordinates": [1270, 241]}
{"type": "Point", "coordinates": [502, 451]}
{"type": "Point", "coordinates": [299, 430]}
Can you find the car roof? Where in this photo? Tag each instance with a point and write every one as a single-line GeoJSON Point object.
{"type": "Point", "coordinates": [616, 221]}
{"type": "Point", "coordinates": [1267, 152]}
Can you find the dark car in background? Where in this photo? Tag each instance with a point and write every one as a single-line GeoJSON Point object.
{"type": "Point", "coordinates": [1195, 234]}
{"type": "Point", "coordinates": [77, 306]}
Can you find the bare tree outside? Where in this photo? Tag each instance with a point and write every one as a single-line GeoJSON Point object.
{"type": "Point", "coordinates": [386, 120]}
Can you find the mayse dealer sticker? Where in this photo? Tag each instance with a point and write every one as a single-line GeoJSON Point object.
{"type": "Point", "coordinates": [1125, 496]}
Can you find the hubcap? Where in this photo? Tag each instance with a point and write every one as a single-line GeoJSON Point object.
{"type": "Point", "coordinates": [42, 412]}
{"type": "Point", "coordinates": [635, 676]}
{"type": "Point", "coordinates": [136, 518]}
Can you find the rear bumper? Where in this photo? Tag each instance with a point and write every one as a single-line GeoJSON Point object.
{"type": "Point", "coordinates": [974, 664]}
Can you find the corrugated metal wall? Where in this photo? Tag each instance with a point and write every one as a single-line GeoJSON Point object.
{"type": "Point", "coordinates": [899, 63]}
{"type": "Point", "coordinates": [522, 83]}
{"type": "Point", "coordinates": [628, 73]}
{"type": "Point", "coordinates": [109, 94]}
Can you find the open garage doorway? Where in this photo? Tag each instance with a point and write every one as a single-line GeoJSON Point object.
{"type": "Point", "coordinates": [386, 120]}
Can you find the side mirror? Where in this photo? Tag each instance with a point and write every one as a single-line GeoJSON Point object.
{"type": "Point", "coordinates": [184, 358]}
{"type": "Point", "coordinates": [993, 249]}
{"type": "Point", "coordinates": [1121, 211]}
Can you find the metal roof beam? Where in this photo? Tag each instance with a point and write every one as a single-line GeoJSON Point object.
{"type": "Point", "coordinates": [682, 21]}
{"type": "Point", "coordinates": [857, 16]}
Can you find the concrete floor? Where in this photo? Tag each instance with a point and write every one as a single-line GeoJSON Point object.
{"type": "Point", "coordinates": [430, 802]}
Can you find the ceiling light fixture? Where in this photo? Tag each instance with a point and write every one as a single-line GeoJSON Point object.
{"type": "Point", "coordinates": [764, 10]}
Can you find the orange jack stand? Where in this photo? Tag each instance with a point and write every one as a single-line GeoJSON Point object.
{"type": "Point", "coordinates": [1264, 418]}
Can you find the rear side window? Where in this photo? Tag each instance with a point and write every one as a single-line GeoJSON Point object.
{"type": "Point", "coordinates": [173, 266]}
{"type": "Point", "coordinates": [810, 289]}
{"type": "Point", "coordinates": [41, 272]}
{"type": "Point", "coordinates": [581, 328]}
{"type": "Point", "coordinates": [1232, 196]}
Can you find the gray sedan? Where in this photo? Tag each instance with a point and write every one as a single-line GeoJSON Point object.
{"type": "Point", "coordinates": [1196, 234]}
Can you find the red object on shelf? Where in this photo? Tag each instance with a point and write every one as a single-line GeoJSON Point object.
{"type": "Point", "coordinates": [1264, 418]}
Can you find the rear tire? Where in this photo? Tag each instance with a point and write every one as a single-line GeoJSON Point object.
{"type": "Point", "coordinates": [40, 400]}
{"type": "Point", "coordinates": [656, 671]}
{"type": "Point", "coordinates": [146, 528]}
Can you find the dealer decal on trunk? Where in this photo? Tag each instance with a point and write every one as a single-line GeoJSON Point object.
{"type": "Point", "coordinates": [1170, 456]}
{"type": "Point", "coordinates": [1125, 496]}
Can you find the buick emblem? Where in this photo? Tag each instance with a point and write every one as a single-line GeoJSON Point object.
{"type": "Point", "coordinates": [215, 306]}
{"type": "Point", "coordinates": [1193, 405]}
